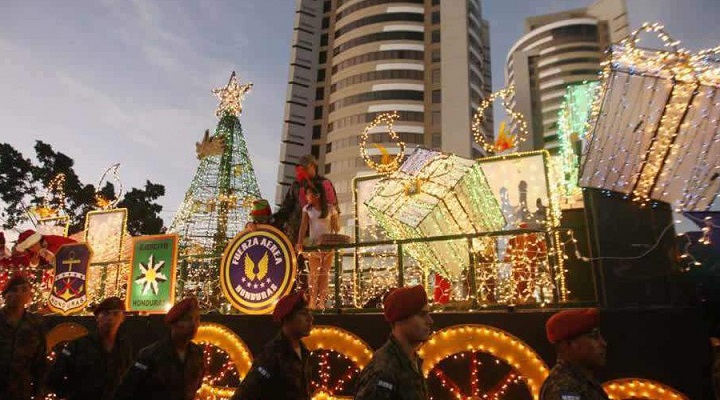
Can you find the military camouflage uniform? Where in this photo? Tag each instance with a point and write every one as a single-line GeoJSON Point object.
{"type": "Point", "coordinates": [83, 370]}
{"type": "Point", "coordinates": [567, 382]}
{"type": "Point", "coordinates": [278, 373]}
{"type": "Point", "coordinates": [158, 373]}
{"type": "Point", "coordinates": [23, 362]}
{"type": "Point", "coordinates": [392, 375]}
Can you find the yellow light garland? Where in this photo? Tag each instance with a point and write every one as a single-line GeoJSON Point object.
{"type": "Point", "coordinates": [517, 119]}
{"type": "Point", "coordinates": [632, 388]}
{"type": "Point", "coordinates": [391, 166]}
{"type": "Point", "coordinates": [487, 339]}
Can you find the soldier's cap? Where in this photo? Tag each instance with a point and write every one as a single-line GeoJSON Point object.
{"type": "Point", "coordinates": [570, 324]}
{"type": "Point", "coordinates": [289, 304]}
{"type": "Point", "coordinates": [307, 159]}
{"type": "Point", "coordinates": [109, 304]}
{"type": "Point", "coordinates": [179, 310]}
{"type": "Point", "coordinates": [404, 302]}
{"type": "Point", "coordinates": [16, 280]}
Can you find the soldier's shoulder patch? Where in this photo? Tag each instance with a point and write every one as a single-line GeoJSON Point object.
{"type": "Point", "coordinates": [140, 366]}
{"type": "Point", "coordinates": [385, 385]}
{"type": "Point", "coordinates": [570, 396]}
{"type": "Point", "coordinates": [262, 371]}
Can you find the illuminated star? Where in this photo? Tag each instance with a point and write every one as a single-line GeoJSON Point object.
{"type": "Point", "coordinates": [231, 97]}
{"type": "Point", "coordinates": [151, 275]}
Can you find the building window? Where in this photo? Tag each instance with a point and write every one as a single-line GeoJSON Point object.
{"type": "Point", "coordinates": [379, 95]}
{"type": "Point", "coordinates": [315, 151]}
{"type": "Point", "coordinates": [436, 36]}
{"type": "Point", "coordinates": [436, 141]}
{"type": "Point", "coordinates": [394, 16]}
{"type": "Point", "coordinates": [327, 4]}
{"type": "Point", "coordinates": [317, 132]}
{"type": "Point", "coordinates": [435, 2]}
{"type": "Point", "coordinates": [325, 22]}
{"type": "Point", "coordinates": [324, 39]}
{"type": "Point", "coordinates": [435, 17]}
{"type": "Point", "coordinates": [379, 55]}
{"type": "Point", "coordinates": [318, 112]}
{"type": "Point", "coordinates": [328, 168]}
{"type": "Point", "coordinates": [436, 75]}
{"type": "Point", "coordinates": [320, 93]}
{"type": "Point", "coordinates": [436, 96]}
{"type": "Point", "coordinates": [378, 37]}
{"type": "Point", "coordinates": [321, 75]}
{"type": "Point", "coordinates": [328, 147]}
{"type": "Point", "coordinates": [436, 56]}
{"type": "Point", "coordinates": [378, 75]}
{"type": "Point", "coordinates": [367, 3]}
{"type": "Point", "coordinates": [322, 57]}
{"type": "Point", "coordinates": [436, 120]}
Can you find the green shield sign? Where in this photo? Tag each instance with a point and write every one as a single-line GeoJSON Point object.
{"type": "Point", "coordinates": [151, 282]}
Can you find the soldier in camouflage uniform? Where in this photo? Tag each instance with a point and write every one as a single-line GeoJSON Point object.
{"type": "Point", "coordinates": [172, 368]}
{"type": "Point", "coordinates": [90, 367]}
{"type": "Point", "coordinates": [395, 371]}
{"type": "Point", "coordinates": [22, 344]}
{"type": "Point", "coordinates": [282, 370]}
{"type": "Point", "coordinates": [581, 349]}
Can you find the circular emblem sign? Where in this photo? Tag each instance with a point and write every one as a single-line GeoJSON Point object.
{"type": "Point", "coordinates": [258, 268]}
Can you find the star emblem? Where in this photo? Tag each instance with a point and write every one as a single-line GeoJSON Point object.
{"type": "Point", "coordinates": [151, 275]}
{"type": "Point", "coordinates": [231, 97]}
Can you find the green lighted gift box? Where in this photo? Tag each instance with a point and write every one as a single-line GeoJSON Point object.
{"type": "Point", "coordinates": [436, 194]}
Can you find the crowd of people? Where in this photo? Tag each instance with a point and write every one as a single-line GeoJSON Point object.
{"type": "Point", "coordinates": [100, 366]}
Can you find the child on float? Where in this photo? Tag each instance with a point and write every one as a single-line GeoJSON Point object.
{"type": "Point", "coordinates": [319, 218]}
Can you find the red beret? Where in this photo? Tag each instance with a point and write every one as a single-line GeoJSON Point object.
{"type": "Point", "coordinates": [111, 303]}
{"type": "Point", "coordinates": [289, 304]}
{"type": "Point", "coordinates": [180, 309]}
{"type": "Point", "coordinates": [16, 280]}
{"type": "Point", "coordinates": [404, 302]}
{"type": "Point", "coordinates": [570, 324]}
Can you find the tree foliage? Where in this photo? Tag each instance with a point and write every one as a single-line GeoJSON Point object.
{"type": "Point", "coordinates": [24, 183]}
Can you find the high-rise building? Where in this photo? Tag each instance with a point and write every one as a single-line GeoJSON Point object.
{"type": "Point", "coordinates": [559, 50]}
{"type": "Point", "coordinates": [352, 60]}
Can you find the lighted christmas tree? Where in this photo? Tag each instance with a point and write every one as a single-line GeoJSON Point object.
{"type": "Point", "coordinates": [216, 206]}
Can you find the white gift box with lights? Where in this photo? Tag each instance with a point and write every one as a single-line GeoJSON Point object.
{"type": "Point", "coordinates": [436, 194]}
{"type": "Point", "coordinates": [654, 133]}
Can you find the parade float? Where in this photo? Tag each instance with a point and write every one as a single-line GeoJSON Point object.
{"type": "Point", "coordinates": [496, 241]}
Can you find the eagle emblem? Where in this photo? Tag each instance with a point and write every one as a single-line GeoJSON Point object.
{"type": "Point", "coordinates": [261, 267]}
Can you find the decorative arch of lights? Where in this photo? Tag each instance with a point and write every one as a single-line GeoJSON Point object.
{"type": "Point", "coordinates": [486, 339]}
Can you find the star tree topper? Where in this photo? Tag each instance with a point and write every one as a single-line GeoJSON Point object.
{"type": "Point", "coordinates": [231, 97]}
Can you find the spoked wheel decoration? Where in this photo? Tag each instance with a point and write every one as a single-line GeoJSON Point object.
{"type": "Point", "coordinates": [338, 356]}
{"type": "Point", "coordinates": [482, 362]}
{"type": "Point", "coordinates": [645, 389]}
{"type": "Point", "coordinates": [227, 361]}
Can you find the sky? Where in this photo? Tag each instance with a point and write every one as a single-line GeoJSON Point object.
{"type": "Point", "coordinates": [129, 81]}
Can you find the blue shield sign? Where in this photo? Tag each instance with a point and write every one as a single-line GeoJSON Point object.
{"type": "Point", "coordinates": [69, 290]}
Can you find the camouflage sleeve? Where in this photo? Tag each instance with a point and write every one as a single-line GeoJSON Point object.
{"type": "Point", "coordinates": [374, 384]}
{"type": "Point", "coordinates": [134, 378]}
{"type": "Point", "coordinates": [254, 385]}
{"type": "Point", "coordinates": [40, 366]}
{"type": "Point", "coordinates": [59, 378]}
{"type": "Point", "coordinates": [561, 389]}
